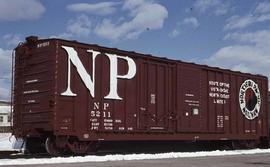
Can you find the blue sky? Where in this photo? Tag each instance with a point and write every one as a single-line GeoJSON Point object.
{"type": "Point", "coordinates": [225, 33]}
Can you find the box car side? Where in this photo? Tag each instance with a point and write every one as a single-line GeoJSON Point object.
{"type": "Point", "coordinates": [160, 98]}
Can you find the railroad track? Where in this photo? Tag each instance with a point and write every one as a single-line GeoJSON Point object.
{"type": "Point", "coordinates": [18, 154]}
{"type": "Point", "coordinates": [128, 148]}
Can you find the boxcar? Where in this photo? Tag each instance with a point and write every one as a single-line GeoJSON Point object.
{"type": "Point", "coordinates": [72, 95]}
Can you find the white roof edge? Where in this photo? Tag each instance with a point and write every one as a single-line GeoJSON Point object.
{"type": "Point", "coordinates": [5, 109]}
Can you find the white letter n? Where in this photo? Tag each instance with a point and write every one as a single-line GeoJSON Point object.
{"type": "Point", "coordinates": [86, 78]}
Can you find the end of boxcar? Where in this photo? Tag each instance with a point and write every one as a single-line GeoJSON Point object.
{"type": "Point", "coordinates": [32, 91]}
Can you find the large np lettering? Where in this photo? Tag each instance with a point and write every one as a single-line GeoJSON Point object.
{"type": "Point", "coordinates": [88, 80]}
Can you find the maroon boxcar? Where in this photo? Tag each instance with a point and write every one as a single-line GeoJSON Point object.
{"type": "Point", "coordinates": [72, 95]}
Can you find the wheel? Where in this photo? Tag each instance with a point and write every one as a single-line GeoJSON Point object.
{"type": "Point", "coordinates": [235, 145]}
{"type": "Point", "coordinates": [92, 148]}
{"type": "Point", "coordinates": [35, 145]}
{"type": "Point", "coordinates": [51, 147]}
{"type": "Point", "coordinates": [250, 144]}
{"type": "Point", "coordinates": [77, 147]}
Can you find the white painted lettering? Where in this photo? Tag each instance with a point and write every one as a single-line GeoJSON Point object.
{"type": "Point", "coordinates": [114, 74]}
{"type": "Point", "coordinates": [86, 78]}
{"type": "Point", "coordinates": [105, 106]}
{"type": "Point", "coordinates": [96, 105]}
{"type": "Point", "coordinates": [89, 81]}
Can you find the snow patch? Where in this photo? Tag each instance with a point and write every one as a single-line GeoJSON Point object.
{"type": "Point", "coordinates": [119, 157]}
{"type": "Point", "coordinates": [9, 143]}
{"type": "Point", "coordinates": [6, 141]}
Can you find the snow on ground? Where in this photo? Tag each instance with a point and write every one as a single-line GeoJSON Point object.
{"type": "Point", "coordinates": [6, 141]}
{"type": "Point", "coordinates": [120, 157]}
{"type": "Point", "coordinates": [9, 143]}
